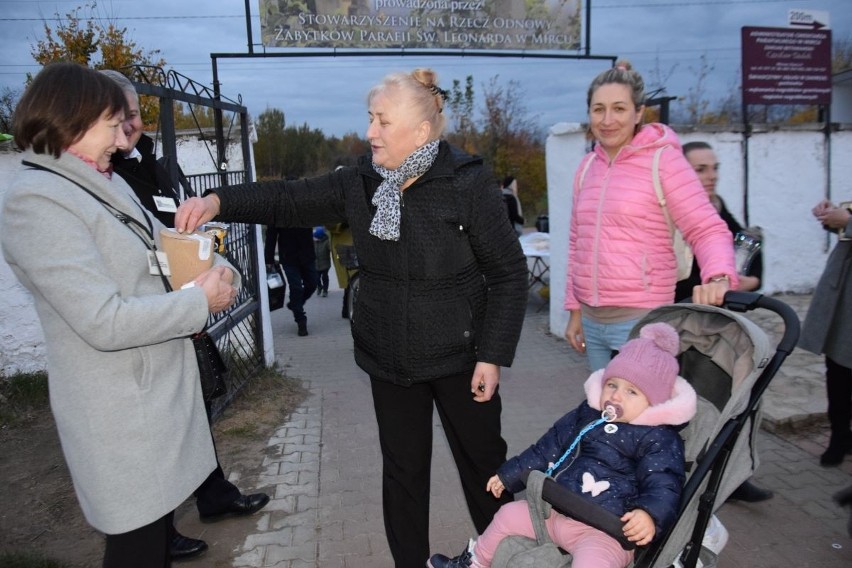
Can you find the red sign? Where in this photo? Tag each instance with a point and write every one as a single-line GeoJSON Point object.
{"type": "Point", "coordinates": [786, 66]}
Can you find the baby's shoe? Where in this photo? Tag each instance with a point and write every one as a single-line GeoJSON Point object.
{"type": "Point", "coordinates": [463, 560]}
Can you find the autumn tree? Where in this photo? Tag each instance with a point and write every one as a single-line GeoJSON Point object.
{"type": "Point", "coordinates": [460, 104]}
{"type": "Point", "coordinates": [8, 100]}
{"type": "Point", "coordinates": [511, 144]}
{"type": "Point", "coordinates": [841, 54]}
{"type": "Point", "coordinates": [191, 117]}
{"type": "Point", "coordinates": [84, 36]}
{"type": "Point", "coordinates": [270, 146]}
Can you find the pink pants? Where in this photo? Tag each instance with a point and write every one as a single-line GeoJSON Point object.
{"type": "Point", "coordinates": [589, 547]}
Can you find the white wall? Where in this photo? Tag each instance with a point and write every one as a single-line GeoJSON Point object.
{"type": "Point", "coordinates": [787, 176]}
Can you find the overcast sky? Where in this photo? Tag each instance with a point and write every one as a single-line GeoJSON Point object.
{"type": "Point", "coordinates": [664, 39]}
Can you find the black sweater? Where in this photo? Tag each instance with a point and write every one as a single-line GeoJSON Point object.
{"type": "Point", "coordinates": [452, 291]}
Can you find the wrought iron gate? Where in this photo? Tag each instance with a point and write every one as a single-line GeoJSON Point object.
{"type": "Point", "coordinates": [238, 331]}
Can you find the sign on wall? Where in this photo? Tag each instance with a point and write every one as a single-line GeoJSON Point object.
{"type": "Point", "coordinates": [786, 66]}
{"type": "Point", "coordinates": [433, 24]}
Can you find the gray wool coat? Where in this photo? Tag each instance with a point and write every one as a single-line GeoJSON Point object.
{"type": "Point", "coordinates": [828, 325]}
{"type": "Point", "coordinates": [123, 376]}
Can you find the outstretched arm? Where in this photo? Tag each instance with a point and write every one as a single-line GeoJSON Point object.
{"type": "Point", "coordinates": [196, 211]}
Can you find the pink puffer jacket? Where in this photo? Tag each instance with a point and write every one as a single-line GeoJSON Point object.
{"type": "Point", "coordinates": [620, 247]}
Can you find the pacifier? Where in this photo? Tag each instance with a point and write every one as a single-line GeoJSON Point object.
{"type": "Point", "coordinates": [611, 411]}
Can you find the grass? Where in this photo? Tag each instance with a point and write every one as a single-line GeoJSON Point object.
{"type": "Point", "coordinates": [21, 396]}
{"type": "Point", "coordinates": [27, 560]}
{"type": "Point", "coordinates": [263, 403]}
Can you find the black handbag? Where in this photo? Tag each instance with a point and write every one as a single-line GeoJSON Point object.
{"type": "Point", "coordinates": [211, 367]}
{"type": "Point", "coordinates": [279, 292]}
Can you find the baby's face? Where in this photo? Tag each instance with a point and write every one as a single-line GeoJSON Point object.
{"type": "Point", "coordinates": [625, 397]}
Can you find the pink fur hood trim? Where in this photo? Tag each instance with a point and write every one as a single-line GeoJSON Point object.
{"type": "Point", "coordinates": [679, 409]}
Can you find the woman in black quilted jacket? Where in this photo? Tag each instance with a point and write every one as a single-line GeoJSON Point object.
{"type": "Point", "coordinates": [442, 296]}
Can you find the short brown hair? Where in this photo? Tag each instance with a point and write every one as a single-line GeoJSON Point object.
{"type": "Point", "coordinates": [61, 104]}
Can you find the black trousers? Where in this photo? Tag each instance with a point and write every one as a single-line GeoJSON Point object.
{"type": "Point", "coordinates": [302, 279]}
{"type": "Point", "coordinates": [838, 386]}
{"type": "Point", "coordinates": [322, 280]}
{"type": "Point", "coordinates": [404, 417]}
{"type": "Point", "coordinates": [145, 547]}
{"type": "Point", "coordinates": [215, 493]}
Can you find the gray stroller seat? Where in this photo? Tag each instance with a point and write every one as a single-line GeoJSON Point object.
{"type": "Point", "coordinates": [729, 361]}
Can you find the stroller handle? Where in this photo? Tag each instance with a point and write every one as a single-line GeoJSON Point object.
{"type": "Point", "coordinates": [748, 301]}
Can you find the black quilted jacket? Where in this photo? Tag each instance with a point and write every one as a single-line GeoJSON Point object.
{"type": "Point", "coordinates": [452, 291]}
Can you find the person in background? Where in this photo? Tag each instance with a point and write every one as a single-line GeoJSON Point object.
{"type": "Point", "coordinates": [637, 474]}
{"type": "Point", "coordinates": [702, 158]}
{"type": "Point", "coordinates": [513, 204]}
{"type": "Point", "coordinates": [122, 372]}
{"type": "Point", "coordinates": [341, 237]}
{"type": "Point", "coordinates": [621, 259]}
{"type": "Point", "coordinates": [442, 298]}
{"type": "Point", "coordinates": [322, 249]}
{"type": "Point", "coordinates": [150, 182]}
{"type": "Point", "coordinates": [296, 254]}
{"type": "Point", "coordinates": [827, 328]}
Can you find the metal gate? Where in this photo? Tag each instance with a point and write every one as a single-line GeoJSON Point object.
{"type": "Point", "coordinates": [237, 331]}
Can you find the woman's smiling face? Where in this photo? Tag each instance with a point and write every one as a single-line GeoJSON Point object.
{"type": "Point", "coordinates": [102, 139]}
{"type": "Point", "coordinates": [613, 116]}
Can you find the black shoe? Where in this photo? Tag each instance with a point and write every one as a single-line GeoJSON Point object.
{"type": "Point", "coordinates": [242, 506]}
{"type": "Point", "coordinates": [750, 493]}
{"type": "Point", "coordinates": [835, 453]}
{"type": "Point", "coordinates": [184, 548]}
{"type": "Point", "coordinates": [303, 328]}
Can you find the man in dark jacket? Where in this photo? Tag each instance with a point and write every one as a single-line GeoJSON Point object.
{"type": "Point", "coordinates": [216, 497]}
{"type": "Point", "coordinates": [298, 259]}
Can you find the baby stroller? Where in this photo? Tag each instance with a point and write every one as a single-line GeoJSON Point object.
{"type": "Point", "coordinates": [729, 361]}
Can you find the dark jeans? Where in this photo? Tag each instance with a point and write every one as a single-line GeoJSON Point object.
{"type": "Point", "coordinates": [302, 280]}
{"type": "Point", "coordinates": [404, 416]}
{"type": "Point", "coordinates": [322, 276]}
{"type": "Point", "coordinates": [145, 547]}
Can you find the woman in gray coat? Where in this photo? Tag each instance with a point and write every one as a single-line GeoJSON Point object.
{"type": "Point", "coordinates": [828, 329]}
{"type": "Point", "coordinates": [123, 376]}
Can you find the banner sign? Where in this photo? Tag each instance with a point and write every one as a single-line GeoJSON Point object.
{"type": "Point", "coordinates": [786, 66]}
{"type": "Point", "coordinates": [422, 24]}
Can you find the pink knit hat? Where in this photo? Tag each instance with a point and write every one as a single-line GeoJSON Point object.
{"type": "Point", "coordinates": [648, 362]}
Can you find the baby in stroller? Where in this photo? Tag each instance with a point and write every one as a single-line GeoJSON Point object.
{"type": "Point", "coordinates": [621, 448]}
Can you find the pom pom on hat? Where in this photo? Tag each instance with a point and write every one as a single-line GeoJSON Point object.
{"type": "Point", "coordinates": [319, 233]}
{"type": "Point", "coordinates": [648, 362]}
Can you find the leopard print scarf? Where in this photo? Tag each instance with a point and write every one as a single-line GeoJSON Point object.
{"type": "Point", "coordinates": [385, 224]}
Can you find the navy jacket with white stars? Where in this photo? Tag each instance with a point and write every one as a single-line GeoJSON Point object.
{"type": "Point", "coordinates": [638, 465]}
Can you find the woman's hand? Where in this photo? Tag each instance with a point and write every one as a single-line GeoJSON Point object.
{"type": "Point", "coordinates": [483, 385]}
{"type": "Point", "coordinates": [574, 332]}
{"type": "Point", "coordinates": [495, 486]}
{"type": "Point", "coordinates": [712, 293]}
{"type": "Point", "coordinates": [834, 218]}
{"type": "Point", "coordinates": [748, 283]}
{"type": "Point", "coordinates": [196, 211]}
{"type": "Point", "coordinates": [638, 527]}
{"type": "Point", "coordinates": [216, 283]}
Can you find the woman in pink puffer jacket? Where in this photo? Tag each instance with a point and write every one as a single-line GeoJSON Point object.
{"type": "Point", "coordinates": [621, 262]}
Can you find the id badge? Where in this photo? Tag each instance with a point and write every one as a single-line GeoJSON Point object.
{"type": "Point", "coordinates": [158, 258]}
{"type": "Point", "coordinates": [165, 204]}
